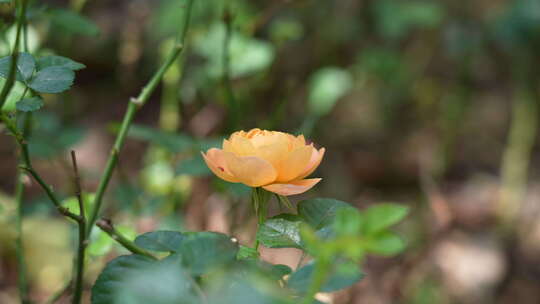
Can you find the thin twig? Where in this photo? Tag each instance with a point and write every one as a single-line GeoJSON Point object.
{"type": "Point", "coordinates": [77, 294]}
{"type": "Point", "coordinates": [107, 226]}
{"type": "Point", "coordinates": [50, 193]}
{"type": "Point", "coordinates": [77, 184]}
{"type": "Point", "coordinates": [19, 137]}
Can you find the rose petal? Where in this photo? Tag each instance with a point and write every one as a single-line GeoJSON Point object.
{"type": "Point", "coordinates": [216, 162]}
{"type": "Point", "coordinates": [296, 141]}
{"type": "Point", "coordinates": [239, 145]}
{"type": "Point", "coordinates": [238, 133]}
{"type": "Point", "coordinates": [292, 188]}
{"type": "Point", "coordinates": [253, 132]}
{"type": "Point", "coordinates": [264, 138]}
{"type": "Point", "coordinates": [274, 149]}
{"type": "Point", "coordinates": [250, 170]}
{"type": "Point", "coordinates": [294, 164]}
{"type": "Point", "coordinates": [314, 162]}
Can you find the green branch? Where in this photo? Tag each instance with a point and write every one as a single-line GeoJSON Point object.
{"type": "Point", "coordinates": [107, 227]}
{"type": "Point", "coordinates": [259, 200]}
{"type": "Point", "coordinates": [19, 198]}
{"type": "Point", "coordinates": [134, 105]}
{"type": "Point", "coordinates": [10, 81]}
{"type": "Point", "coordinates": [19, 188]}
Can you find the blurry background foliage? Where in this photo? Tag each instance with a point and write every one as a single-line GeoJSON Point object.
{"type": "Point", "coordinates": [429, 103]}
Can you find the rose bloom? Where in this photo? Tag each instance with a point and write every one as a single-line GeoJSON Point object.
{"type": "Point", "coordinates": [275, 161]}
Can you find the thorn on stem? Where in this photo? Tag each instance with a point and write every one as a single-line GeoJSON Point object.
{"type": "Point", "coordinates": [26, 180]}
{"type": "Point", "coordinates": [105, 224]}
{"type": "Point", "coordinates": [136, 101]}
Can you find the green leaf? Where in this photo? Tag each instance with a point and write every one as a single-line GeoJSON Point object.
{"type": "Point", "coordinates": [74, 23]}
{"type": "Point", "coordinates": [320, 212]}
{"type": "Point", "coordinates": [162, 241]}
{"type": "Point", "coordinates": [205, 251]}
{"type": "Point", "coordinates": [247, 55]}
{"type": "Point", "coordinates": [382, 216]}
{"type": "Point", "coordinates": [26, 65]}
{"type": "Point", "coordinates": [386, 244]}
{"type": "Point", "coordinates": [326, 87]}
{"type": "Point", "coordinates": [247, 253]}
{"type": "Point", "coordinates": [52, 80]}
{"type": "Point", "coordinates": [282, 231]}
{"type": "Point", "coordinates": [348, 222]}
{"type": "Point", "coordinates": [14, 95]}
{"type": "Point", "coordinates": [247, 289]}
{"type": "Point", "coordinates": [193, 166]}
{"type": "Point", "coordinates": [24, 69]}
{"type": "Point", "coordinates": [59, 61]}
{"type": "Point", "coordinates": [261, 268]}
{"type": "Point", "coordinates": [30, 104]}
{"type": "Point", "coordinates": [138, 279]}
{"type": "Point", "coordinates": [341, 276]}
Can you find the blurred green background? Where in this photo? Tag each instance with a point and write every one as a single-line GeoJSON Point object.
{"type": "Point", "coordinates": [433, 104]}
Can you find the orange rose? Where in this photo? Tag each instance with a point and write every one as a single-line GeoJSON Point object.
{"type": "Point", "coordinates": [275, 161]}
